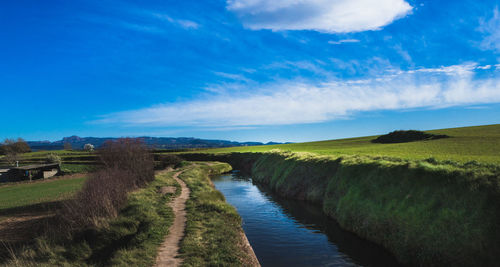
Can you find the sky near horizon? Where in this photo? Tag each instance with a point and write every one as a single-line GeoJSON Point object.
{"type": "Point", "coordinates": [246, 70]}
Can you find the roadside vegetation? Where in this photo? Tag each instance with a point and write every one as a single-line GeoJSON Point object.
{"type": "Point", "coordinates": [118, 217]}
{"type": "Point", "coordinates": [214, 236]}
{"type": "Point", "coordinates": [130, 238]}
{"type": "Point", "coordinates": [479, 144]}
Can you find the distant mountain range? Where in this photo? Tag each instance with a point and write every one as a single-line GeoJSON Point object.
{"type": "Point", "coordinates": [156, 142]}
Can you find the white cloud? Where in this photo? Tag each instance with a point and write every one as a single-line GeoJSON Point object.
{"type": "Point", "coordinates": [319, 15]}
{"type": "Point", "coordinates": [343, 41]}
{"type": "Point", "coordinates": [491, 29]}
{"type": "Point", "coordinates": [292, 102]}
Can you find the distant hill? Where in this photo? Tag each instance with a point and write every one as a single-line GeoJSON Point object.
{"type": "Point", "coordinates": [156, 142]}
{"type": "Point", "coordinates": [464, 144]}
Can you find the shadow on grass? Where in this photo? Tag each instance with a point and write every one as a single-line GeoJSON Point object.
{"type": "Point", "coordinates": [21, 225]}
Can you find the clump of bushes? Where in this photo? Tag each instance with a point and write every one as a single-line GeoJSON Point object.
{"type": "Point", "coordinates": [52, 158]}
{"type": "Point", "coordinates": [131, 155]}
{"type": "Point", "coordinates": [117, 218]}
{"type": "Point", "coordinates": [168, 160]}
{"type": "Point", "coordinates": [128, 165]}
{"type": "Point", "coordinates": [101, 198]}
{"type": "Point", "coordinates": [406, 136]}
{"type": "Point", "coordinates": [13, 149]}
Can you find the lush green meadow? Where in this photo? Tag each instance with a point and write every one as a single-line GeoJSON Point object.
{"type": "Point", "coordinates": [479, 143]}
{"type": "Point", "coordinates": [24, 194]}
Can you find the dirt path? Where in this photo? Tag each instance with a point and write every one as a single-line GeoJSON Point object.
{"type": "Point", "coordinates": [169, 250]}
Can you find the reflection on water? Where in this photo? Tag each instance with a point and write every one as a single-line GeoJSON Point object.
{"type": "Point", "coordinates": [295, 233]}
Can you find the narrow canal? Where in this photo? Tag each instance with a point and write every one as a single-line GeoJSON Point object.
{"type": "Point", "coordinates": [294, 233]}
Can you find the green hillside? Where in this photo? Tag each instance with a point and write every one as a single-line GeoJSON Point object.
{"type": "Point", "coordinates": [478, 143]}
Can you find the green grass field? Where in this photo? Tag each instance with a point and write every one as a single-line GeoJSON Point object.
{"type": "Point", "coordinates": [62, 153]}
{"type": "Point", "coordinates": [479, 143]}
{"type": "Point", "coordinates": [24, 194]}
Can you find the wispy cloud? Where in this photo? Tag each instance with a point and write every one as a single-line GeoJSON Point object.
{"type": "Point", "coordinates": [296, 102]}
{"type": "Point", "coordinates": [319, 15]}
{"type": "Point", "coordinates": [491, 29]}
{"type": "Point", "coordinates": [343, 41]}
{"type": "Point", "coordinates": [186, 24]}
{"type": "Point", "coordinates": [145, 21]}
{"type": "Point", "coordinates": [232, 76]}
{"type": "Point", "coordinates": [463, 69]}
{"type": "Point", "coordinates": [131, 25]}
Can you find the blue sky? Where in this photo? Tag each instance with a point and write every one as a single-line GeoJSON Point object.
{"type": "Point", "coordinates": [246, 70]}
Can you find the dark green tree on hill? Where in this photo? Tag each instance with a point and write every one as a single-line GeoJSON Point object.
{"type": "Point", "coordinates": [13, 148]}
{"type": "Point", "coordinates": [406, 136]}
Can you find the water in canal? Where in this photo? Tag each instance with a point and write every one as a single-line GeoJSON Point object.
{"type": "Point", "coordinates": [294, 233]}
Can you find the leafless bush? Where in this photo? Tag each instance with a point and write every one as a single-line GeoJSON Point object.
{"type": "Point", "coordinates": [130, 155]}
{"type": "Point", "coordinates": [100, 198]}
{"type": "Point", "coordinates": [128, 165]}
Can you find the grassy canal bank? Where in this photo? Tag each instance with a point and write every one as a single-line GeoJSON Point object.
{"type": "Point", "coordinates": [213, 236]}
{"type": "Point", "coordinates": [427, 213]}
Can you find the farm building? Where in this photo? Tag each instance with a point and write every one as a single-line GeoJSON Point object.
{"type": "Point", "coordinates": [29, 172]}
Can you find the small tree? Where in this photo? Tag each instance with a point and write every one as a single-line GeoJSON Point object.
{"type": "Point", "coordinates": [11, 149]}
{"type": "Point", "coordinates": [67, 146]}
{"type": "Point", "coordinates": [20, 146]}
{"type": "Point", "coordinates": [88, 147]}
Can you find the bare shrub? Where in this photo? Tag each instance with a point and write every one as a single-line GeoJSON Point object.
{"type": "Point", "coordinates": [127, 166]}
{"type": "Point", "coordinates": [131, 155]}
{"type": "Point", "coordinates": [101, 197]}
